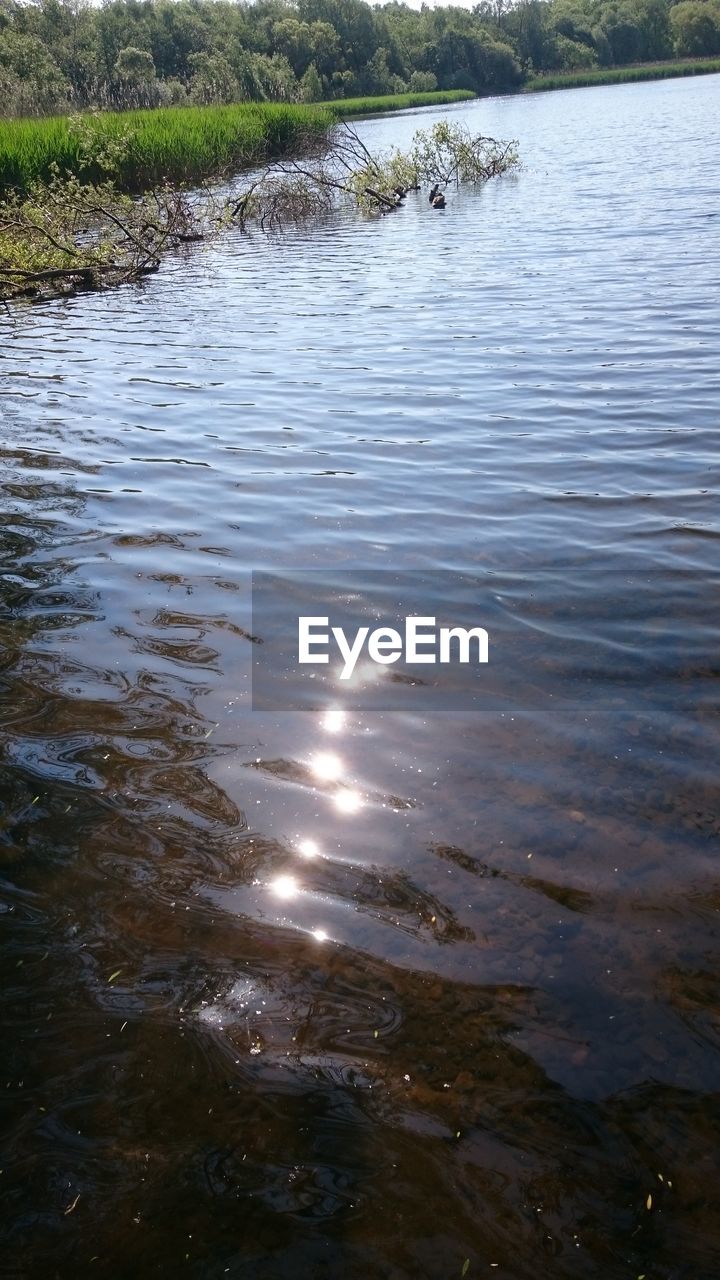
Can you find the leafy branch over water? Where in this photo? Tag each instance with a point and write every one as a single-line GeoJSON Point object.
{"type": "Point", "coordinates": [67, 234]}
{"type": "Point", "coordinates": [444, 155]}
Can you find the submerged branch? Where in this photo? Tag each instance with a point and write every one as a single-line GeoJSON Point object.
{"type": "Point", "coordinates": [387, 201]}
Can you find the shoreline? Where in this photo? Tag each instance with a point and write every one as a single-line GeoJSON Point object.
{"type": "Point", "coordinates": [183, 146]}
{"type": "Point", "coordinates": [344, 108]}
{"type": "Point", "coordinates": [674, 69]}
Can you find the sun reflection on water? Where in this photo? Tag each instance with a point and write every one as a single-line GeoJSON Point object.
{"type": "Point", "coordinates": [333, 720]}
{"type": "Point", "coordinates": [365, 675]}
{"type": "Point", "coordinates": [284, 886]}
{"type": "Point", "coordinates": [347, 800]}
{"type": "Point", "coordinates": [327, 766]}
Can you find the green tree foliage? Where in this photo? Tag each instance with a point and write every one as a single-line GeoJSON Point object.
{"type": "Point", "coordinates": [311, 85]}
{"type": "Point", "coordinates": [422, 82]}
{"type": "Point", "coordinates": [212, 79]}
{"type": "Point", "coordinates": [695, 26]}
{"type": "Point", "coordinates": [29, 75]}
{"type": "Point", "coordinates": [135, 66]}
{"type": "Point", "coordinates": [574, 54]}
{"type": "Point", "coordinates": [134, 77]}
{"type": "Point", "coordinates": [57, 55]}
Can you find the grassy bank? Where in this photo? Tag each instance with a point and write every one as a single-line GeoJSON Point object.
{"type": "Point", "coordinates": [177, 144]}
{"type": "Point", "coordinates": [180, 144]}
{"type": "Point", "coordinates": [344, 107]}
{"type": "Point", "coordinates": [623, 75]}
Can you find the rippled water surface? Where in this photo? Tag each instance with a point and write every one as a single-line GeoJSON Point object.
{"type": "Point", "coordinates": [408, 992]}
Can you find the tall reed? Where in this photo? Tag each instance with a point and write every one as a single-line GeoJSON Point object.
{"type": "Point", "coordinates": [173, 144]}
{"type": "Point", "coordinates": [343, 107]}
{"type": "Point", "coordinates": [623, 75]}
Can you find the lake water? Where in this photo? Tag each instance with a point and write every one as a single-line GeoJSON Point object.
{"type": "Point", "coordinates": [431, 989]}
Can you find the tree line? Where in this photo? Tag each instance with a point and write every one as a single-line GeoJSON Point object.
{"type": "Point", "coordinates": [61, 55]}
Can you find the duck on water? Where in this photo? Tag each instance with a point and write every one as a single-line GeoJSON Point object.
{"type": "Point", "coordinates": [436, 197]}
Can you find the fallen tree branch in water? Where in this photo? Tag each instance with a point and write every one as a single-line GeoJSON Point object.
{"type": "Point", "coordinates": [386, 201]}
{"type": "Point", "coordinates": [71, 235]}
{"type": "Point", "coordinates": [68, 235]}
{"type": "Point", "coordinates": [346, 170]}
{"type": "Point", "coordinates": [58, 273]}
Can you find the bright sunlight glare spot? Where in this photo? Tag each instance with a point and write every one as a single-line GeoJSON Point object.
{"type": "Point", "coordinates": [308, 848]}
{"type": "Point", "coordinates": [366, 673]}
{"type": "Point", "coordinates": [347, 801]}
{"type": "Point", "coordinates": [333, 720]}
{"type": "Point", "coordinates": [320, 935]}
{"type": "Point", "coordinates": [327, 766]}
{"type": "Point", "coordinates": [284, 886]}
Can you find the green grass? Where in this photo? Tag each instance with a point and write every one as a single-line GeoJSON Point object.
{"type": "Point", "coordinates": [623, 75]}
{"type": "Point", "coordinates": [180, 144]}
{"type": "Point", "coordinates": [343, 107]}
